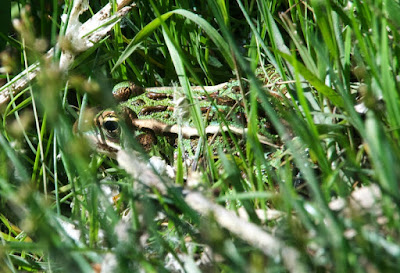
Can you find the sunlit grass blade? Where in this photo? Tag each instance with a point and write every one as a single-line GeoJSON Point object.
{"type": "Point", "coordinates": [383, 155]}
{"type": "Point", "coordinates": [151, 27]}
{"type": "Point", "coordinates": [320, 86]}
{"type": "Point", "coordinates": [181, 72]}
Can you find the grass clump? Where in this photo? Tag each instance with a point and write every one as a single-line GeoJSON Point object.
{"type": "Point", "coordinates": [323, 199]}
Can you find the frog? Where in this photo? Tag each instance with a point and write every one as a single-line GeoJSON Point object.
{"type": "Point", "coordinates": [158, 119]}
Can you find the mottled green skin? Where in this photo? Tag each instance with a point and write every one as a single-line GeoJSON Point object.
{"type": "Point", "coordinates": [218, 112]}
{"type": "Point", "coordinates": [168, 115]}
{"type": "Point", "coordinates": [229, 89]}
{"type": "Point", "coordinates": [162, 148]}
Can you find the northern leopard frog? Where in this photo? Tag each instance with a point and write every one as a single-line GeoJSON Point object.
{"type": "Point", "coordinates": [150, 113]}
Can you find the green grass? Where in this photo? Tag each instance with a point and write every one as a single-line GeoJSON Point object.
{"type": "Point", "coordinates": [333, 54]}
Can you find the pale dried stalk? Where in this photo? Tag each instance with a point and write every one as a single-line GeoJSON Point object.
{"type": "Point", "coordinates": [249, 232]}
{"type": "Point", "coordinates": [86, 36]}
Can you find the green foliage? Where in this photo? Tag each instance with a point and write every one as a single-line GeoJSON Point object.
{"type": "Point", "coordinates": [331, 56]}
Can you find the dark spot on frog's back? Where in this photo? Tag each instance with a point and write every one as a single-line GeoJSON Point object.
{"type": "Point", "coordinates": [158, 96]}
{"type": "Point", "coordinates": [220, 100]}
{"type": "Point", "coordinates": [236, 89]}
{"type": "Point", "coordinates": [152, 109]}
{"type": "Point", "coordinates": [227, 101]}
{"type": "Point", "coordinates": [124, 91]}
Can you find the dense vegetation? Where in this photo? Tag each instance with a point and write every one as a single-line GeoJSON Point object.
{"type": "Point", "coordinates": [327, 195]}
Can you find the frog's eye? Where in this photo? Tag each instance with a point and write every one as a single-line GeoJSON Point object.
{"type": "Point", "coordinates": [111, 127]}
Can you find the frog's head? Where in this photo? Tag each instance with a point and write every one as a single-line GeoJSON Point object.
{"type": "Point", "coordinates": [104, 129]}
